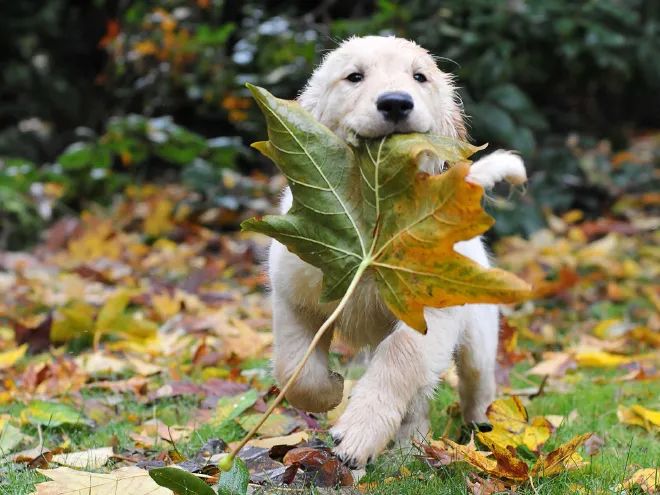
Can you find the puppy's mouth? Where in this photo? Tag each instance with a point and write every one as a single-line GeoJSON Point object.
{"type": "Point", "coordinates": [389, 132]}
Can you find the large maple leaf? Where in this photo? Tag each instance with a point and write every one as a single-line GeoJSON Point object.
{"type": "Point", "coordinates": [370, 208]}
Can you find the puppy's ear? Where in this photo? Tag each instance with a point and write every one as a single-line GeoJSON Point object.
{"type": "Point", "coordinates": [450, 118]}
{"type": "Point", "coordinates": [309, 97]}
{"type": "Point", "coordinates": [458, 121]}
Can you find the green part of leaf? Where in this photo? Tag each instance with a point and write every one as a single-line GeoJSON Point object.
{"type": "Point", "coordinates": [230, 408]}
{"type": "Point", "coordinates": [180, 482]}
{"type": "Point", "coordinates": [10, 438]}
{"type": "Point", "coordinates": [53, 414]}
{"type": "Point", "coordinates": [371, 206]}
{"type": "Point", "coordinates": [234, 481]}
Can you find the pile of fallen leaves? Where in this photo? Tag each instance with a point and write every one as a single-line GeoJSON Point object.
{"type": "Point", "coordinates": [141, 304]}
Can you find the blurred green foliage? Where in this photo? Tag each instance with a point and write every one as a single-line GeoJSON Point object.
{"type": "Point", "coordinates": [97, 93]}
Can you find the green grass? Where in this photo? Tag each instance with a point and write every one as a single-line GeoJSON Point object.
{"type": "Point", "coordinates": [626, 447]}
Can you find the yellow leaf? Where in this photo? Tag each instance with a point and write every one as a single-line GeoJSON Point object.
{"type": "Point", "coordinates": [145, 47]}
{"type": "Point", "coordinates": [128, 480]}
{"type": "Point", "coordinates": [159, 220]}
{"type": "Point", "coordinates": [511, 426]}
{"type": "Point", "coordinates": [648, 479]}
{"type": "Point", "coordinates": [165, 305]}
{"type": "Point", "coordinates": [600, 359]}
{"type": "Point", "coordinates": [95, 242]}
{"type": "Point", "coordinates": [9, 358]}
{"type": "Point", "coordinates": [613, 327]}
{"type": "Point", "coordinates": [640, 416]}
{"type": "Point", "coordinates": [112, 312]}
{"type": "Point", "coordinates": [72, 321]}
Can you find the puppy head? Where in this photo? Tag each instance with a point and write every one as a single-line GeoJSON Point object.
{"type": "Point", "coordinates": [374, 86]}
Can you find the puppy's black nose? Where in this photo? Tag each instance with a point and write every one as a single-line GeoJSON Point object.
{"type": "Point", "coordinates": [395, 105]}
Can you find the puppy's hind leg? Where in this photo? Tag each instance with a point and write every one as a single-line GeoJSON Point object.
{"type": "Point", "coordinates": [476, 361]}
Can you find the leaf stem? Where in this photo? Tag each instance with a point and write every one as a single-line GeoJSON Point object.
{"type": "Point", "coordinates": [310, 349]}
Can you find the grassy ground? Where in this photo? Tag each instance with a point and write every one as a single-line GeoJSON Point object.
{"type": "Point", "coordinates": [625, 448]}
{"type": "Point", "coordinates": [166, 312]}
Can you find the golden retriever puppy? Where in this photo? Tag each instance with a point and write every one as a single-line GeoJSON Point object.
{"type": "Point", "coordinates": [366, 88]}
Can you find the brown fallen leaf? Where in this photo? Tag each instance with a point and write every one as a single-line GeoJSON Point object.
{"type": "Point", "coordinates": [593, 445]}
{"type": "Point", "coordinates": [155, 430]}
{"type": "Point", "coordinates": [563, 458]}
{"type": "Point", "coordinates": [325, 469]}
{"type": "Point", "coordinates": [128, 480]}
{"type": "Point", "coordinates": [506, 464]}
{"type": "Point", "coordinates": [489, 486]}
{"type": "Point", "coordinates": [444, 451]}
{"type": "Point", "coordinates": [9, 358]}
{"type": "Point", "coordinates": [640, 416]}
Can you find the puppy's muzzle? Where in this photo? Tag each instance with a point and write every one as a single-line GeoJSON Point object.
{"type": "Point", "coordinates": [395, 105]}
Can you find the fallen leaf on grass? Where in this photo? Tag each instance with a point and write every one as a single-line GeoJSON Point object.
{"type": "Point", "coordinates": [640, 416]}
{"type": "Point", "coordinates": [235, 481]}
{"type": "Point", "coordinates": [512, 427]}
{"type": "Point", "coordinates": [52, 414]}
{"type": "Point", "coordinates": [648, 479]}
{"type": "Point", "coordinates": [275, 425]}
{"type": "Point", "coordinates": [601, 359]}
{"type": "Point", "coordinates": [9, 358]}
{"type": "Point", "coordinates": [490, 486]}
{"type": "Point", "coordinates": [504, 462]}
{"type": "Point", "coordinates": [155, 430]}
{"type": "Point", "coordinates": [320, 466]}
{"type": "Point", "coordinates": [563, 458]}
{"type": "Point", "coordinates": [554, 364]}
{"type": "Point", "coordinates": [444, 451]}
{"type": "Point", "coordinates": [180, 481]}
{"type": "Point", "coordinates": [10, 436]}
{"type": "Point", "coordinates": [292, 439]}
{"type": "Point", "coordinates": [593, 445]}
{"type": "Point", "coordinates": [128, 480]}
{"type": "Point", "coordinates": [229, 408]}
{"type": "Point", "coordinates": [87, 459]}
{"type": "Point", "coordinates": [99, 363]}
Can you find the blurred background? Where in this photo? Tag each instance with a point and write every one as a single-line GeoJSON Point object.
{"type": "Point", "coordinates": [96, 95]}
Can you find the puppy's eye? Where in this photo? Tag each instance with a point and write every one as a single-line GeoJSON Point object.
{"type": "Point", "coordinates": [355, 77]}
{"type": "Point", "coordinates": [419, 77]}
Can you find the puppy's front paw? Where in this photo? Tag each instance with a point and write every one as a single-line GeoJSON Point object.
{"type": "Point", "coordinates": [317, 396]}
{"type": "Point", "coordinates": [362, 432]}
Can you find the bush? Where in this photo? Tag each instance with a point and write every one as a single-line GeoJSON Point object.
{"type": "Point", "coordinates": [138, 87]}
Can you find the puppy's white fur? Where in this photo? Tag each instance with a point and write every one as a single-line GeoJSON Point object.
{"type": "Point", "coordinates": [392, 396]}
